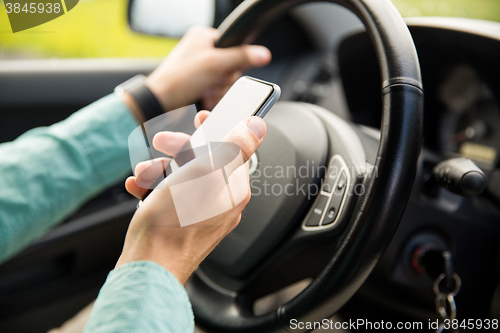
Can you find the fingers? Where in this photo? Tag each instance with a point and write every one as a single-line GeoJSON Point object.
{"type": "Point", "coordinates": [233, 58]}
{"type": "Point", "coordinates": [152, 169]}
{"type": "Point", "coordinates": [240, 58]}
{"type": "Point", "coordinates": [173, 143]}
{"type": "Point", "coordinates": [170, 143]}
{"type": "Point", "coordinates": [150, 173]}
{"type": "Point", "coordinates": [134, 189]}
{"type": "Point", "coordinates": [200, 118]}
{"type": "Point", "coordinates": [201, 34]}
{"type": "Point", "coordinates": [238, 146]}
{"type": "Point", "coordinates": [248, 135]}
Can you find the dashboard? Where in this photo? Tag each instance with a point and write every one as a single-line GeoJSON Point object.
{"type": "Point", "coordinates": [462, 89]}
{"type": "Point", "coordinates": [469, 121]}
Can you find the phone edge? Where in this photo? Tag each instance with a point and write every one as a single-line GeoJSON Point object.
{"type": "Point", "coordinates": [270, 101]}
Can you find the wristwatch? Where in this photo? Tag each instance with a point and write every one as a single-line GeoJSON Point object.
{"type": "Point", "coordinates": [147, 101]}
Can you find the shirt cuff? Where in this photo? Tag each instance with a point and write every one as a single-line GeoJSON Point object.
{"type": "Point", "coordinates": [141, 296]}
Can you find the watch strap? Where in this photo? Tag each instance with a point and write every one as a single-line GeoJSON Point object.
{"type": "Point", "coordinates": [147, 101]}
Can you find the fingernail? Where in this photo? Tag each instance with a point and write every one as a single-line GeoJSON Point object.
{"type": "Point", "coordinates": [257, 126]}
{"type": "Point", "coordinates": [260, 53]}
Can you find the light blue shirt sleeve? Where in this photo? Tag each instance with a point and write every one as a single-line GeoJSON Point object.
{"type": "Point", "coordinates": [135, 299]}
{"type": "Point", "coordinates": [48, 173]}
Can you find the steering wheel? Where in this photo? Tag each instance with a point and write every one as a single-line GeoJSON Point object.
{"type": "Point", "coordinates": [334, 235]}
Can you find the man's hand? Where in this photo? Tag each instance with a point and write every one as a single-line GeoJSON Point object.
{"type": "Point", "coordinates": [155, 233]}
{"type": "Point", "coordinates": [196, 70]}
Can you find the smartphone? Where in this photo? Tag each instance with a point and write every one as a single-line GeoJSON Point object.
{"type": "Point", "coordinates": [247, 97]}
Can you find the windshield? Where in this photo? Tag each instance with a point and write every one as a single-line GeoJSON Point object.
{"type": "Point", "coordinates": [98, 29]}
{"type": "Point", "coordinates": [478, 9]}
{"type": "Point", "coordinates": [92, 29]}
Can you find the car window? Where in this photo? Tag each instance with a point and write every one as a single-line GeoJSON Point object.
{"type": "Point", "coordinates": [98, 28]}
{"type": "Point", "coordinates": [478, 9]}
{"type": "Point", "coordinates": [93, 28]}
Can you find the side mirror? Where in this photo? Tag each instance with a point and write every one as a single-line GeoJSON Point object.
{"type": "Point", "coordinates": [172, 18]}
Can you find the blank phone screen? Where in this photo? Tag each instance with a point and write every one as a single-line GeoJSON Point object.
{"type": "Point", "coordinates": [243, 100]}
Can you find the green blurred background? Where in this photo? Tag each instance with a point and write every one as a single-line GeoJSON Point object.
{"type": "Point", "coordinates": [98, 28]}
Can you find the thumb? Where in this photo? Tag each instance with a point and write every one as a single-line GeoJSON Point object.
{"type": "Point", "coordinates": [248, 136]}
{"type": "Point", "coordinates": [245, 56]}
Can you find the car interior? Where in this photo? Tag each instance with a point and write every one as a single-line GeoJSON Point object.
{"type": "Point", "coordinates": [409, 116]}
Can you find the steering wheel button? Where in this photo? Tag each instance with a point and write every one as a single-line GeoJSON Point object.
{"type": "Point", "coordinates": [340, 188]}
{"type": "Point", "coordinates": [336, 200]}
{"type": "Point", "coordinates": [341, 183]}
{"type": "Point", "coordinates": [331, 175]}
{"type": "Point", "coordinates": [314, 218]}
{"type": "Point", "coordinates": [332, 212]}
{"type": "Point", "coordinates": [330, 216]}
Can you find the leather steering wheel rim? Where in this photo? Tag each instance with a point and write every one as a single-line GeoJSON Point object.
{"type": "Point", "coordinates": [377, 215]}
